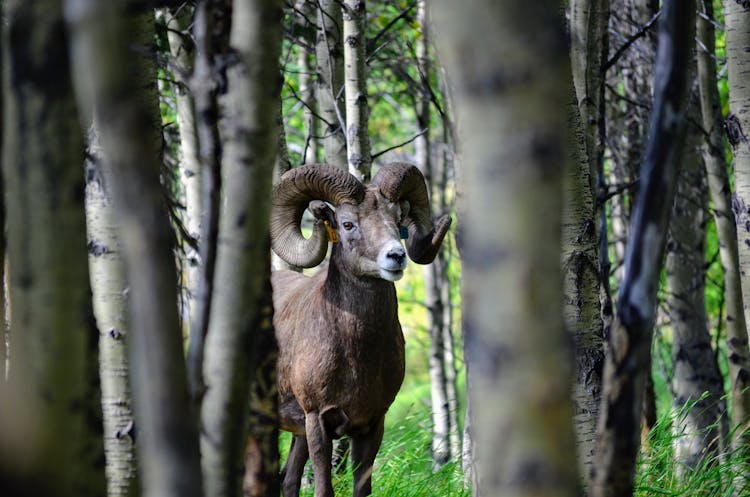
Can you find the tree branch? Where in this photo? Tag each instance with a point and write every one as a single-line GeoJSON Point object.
{"type": "Point", "coordinates": [625, 46]}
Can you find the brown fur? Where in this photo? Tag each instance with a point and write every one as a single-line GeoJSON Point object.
{"type": "Point", "coordinates": [341, 348]}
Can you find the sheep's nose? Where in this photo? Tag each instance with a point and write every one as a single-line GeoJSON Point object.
{"type": "Point", "coordinates": [398, 255]}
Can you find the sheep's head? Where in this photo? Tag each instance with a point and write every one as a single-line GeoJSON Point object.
{"type": "Point", "coordinates": [365, 220]}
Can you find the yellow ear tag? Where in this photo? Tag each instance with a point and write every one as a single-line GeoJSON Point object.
{"type": "Point", "coordinates": [332, 235]}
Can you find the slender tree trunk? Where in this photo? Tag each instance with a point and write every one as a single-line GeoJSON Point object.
{"type": "Point", "coordinates": [241, 350]}
{"type": "Point", "coordinates": [329, 83]}
{"type": "Point", "coordinates": [697, 385]}
{"type": "Point", "coordinates": [629, 347]}
{"type": "Point", "coordinates": [115, 78]}
{"type": "Point", "coordinates": [358, 154]}
{"type": "Point", "coordinates": [109, 291]}
{"type": "Point", "coordinates": [726, 229]}
{"type": "Point", "coordinates": [355, 85]}
{"type": "Point", "coordinates": [581, 278]}
{"type": "Point", "coordinates": [205, 83]}
{"type": "Point", "coordinates": [627, 120]}
{"type": "Point", "coordinates": [307, 91]}
{"type": "Point", "coordinates": [53, 337]}
{"type": "Point", "coordinates": [183, 54]}
{"type": "Point", "coordinates": [510, 93]}
{"type": "Point", "coordinates": [451, 373]}
{"type": "Point", "coordinates": [589, 20]}
{"type": "Point", "coordinates": [3, 243]}
{"type": "Point", "coordinates": [433, 273]}
{"type": "Point", "coordinates": [468, 461]}
{"type": "Point", "coordinates": [738, 124]}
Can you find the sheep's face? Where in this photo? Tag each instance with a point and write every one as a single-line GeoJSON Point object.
{"type": "Point", "coordinates": [369, 239]}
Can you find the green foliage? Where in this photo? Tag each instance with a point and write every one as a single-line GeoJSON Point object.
{"type": "Point", "coordinates": [395, 84]}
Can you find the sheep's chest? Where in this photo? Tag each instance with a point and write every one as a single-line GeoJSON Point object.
{"type": "Point", "coordinates": [359, 368]}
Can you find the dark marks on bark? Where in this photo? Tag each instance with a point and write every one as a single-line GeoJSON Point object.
{"type": "Point", "coordinates": [97, 248]}
{"type": "Point", "coordinates": [37, 61]}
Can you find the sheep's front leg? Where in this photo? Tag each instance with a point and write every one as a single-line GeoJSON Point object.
{"type": "Point", "coordinates": [294, 466]}
{"type": "Point", "coordinates": [364, 449]}
{"type": "Point", "coordinates": [321, 448]}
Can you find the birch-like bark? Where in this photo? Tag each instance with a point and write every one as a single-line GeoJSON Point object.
{"type": "Point", "coordinates": [210, 45]}
{"type": "Point", "coordinates": [329, 83]}
{"type": "Point", "coordinates": [53, 343]}
{"type": "Point", "coordinates": [629, 346]}
{"type": "Point", "coordinates": [699, 428]}
{"type": "Point", "coordinates": [432, 273]}
{"type": "Point", "coordinates": [511, 98]}
{"type": "Point", "coordinates": [589, 21]}
{"type": "Point", "coordinates": [109, 290]}
{"type": "Point", "coordinates": [307, 90]}
{"type": "Point", "coordinates": [117, 81]}
{"type": "Point", "coordinates": [3, 248]}
{"type": "Point", "coordinates": [240, 354]}
{"type": "Point", "coordinates": [581, 279]}
{"type": "Point", "coordinates": [738, 57]}
{"type": "Point", "coordinates": [183, 54]}
{"type": "Point", "coordinates": [355, 89]}
{"type": "Point", "coordinates": [726, 229]}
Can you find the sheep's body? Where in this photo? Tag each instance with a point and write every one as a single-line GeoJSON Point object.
{"type": "Point", "coordinates": [341, 349]}
{"type": "Point", "coordinates": [340, 346]}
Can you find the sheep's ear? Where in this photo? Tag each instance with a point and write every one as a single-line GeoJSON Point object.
{"type": "Point", "coordinates": [404, 204]}
{"type": "Point", "coordinates": [322, 212]}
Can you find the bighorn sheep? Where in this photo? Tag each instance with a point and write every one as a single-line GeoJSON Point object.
{"type": "Point", "coordinates": [341, 349]}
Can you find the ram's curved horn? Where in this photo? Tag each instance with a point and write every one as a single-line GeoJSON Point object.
{"type": "Point", "coordinates": [291, 196]}
{"type": "Point", "coordinates": [399, 181]}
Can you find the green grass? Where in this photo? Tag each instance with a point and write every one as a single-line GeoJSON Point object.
{"type": "Point", "coordinates": [403, 467]}
{"type": "Point", "coordinates": [658, 472]}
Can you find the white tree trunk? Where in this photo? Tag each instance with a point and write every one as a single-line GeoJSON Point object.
{"type": "Point", "coordinates": [55, 404]}
{"type": "Point", "coordinates": [329, 82]}
{"type": "Point", "coordinates": [355, 89]}
{"type": "Point", "coordinates": [178, 23]}
{"type": "Point", "coordinates": [510, 95]}
{"type": "Point", "coordinates": [307, 91]}
{"type": "Point", "coordinates": [726, 229]}
{"type": "Point", "coordinates": [588, 39]}
{"type": "Point", "coordinates": [697, 385]}
{"type": "Point", "coordinates": [109, 289]}
{"type": "Point", "coordinates": [581, 278]}
{"type": "Point", "coordinates": [240, 353]}
{"type": "Point", "coordinates": [113, 79]}
{"type": "Point", "coordinates": [738, 58]}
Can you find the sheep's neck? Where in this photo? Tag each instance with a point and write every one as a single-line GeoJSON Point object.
{"type": "Point", "coordinates": [370, 299]}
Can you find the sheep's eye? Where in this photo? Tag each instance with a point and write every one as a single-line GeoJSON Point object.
{"type": "Point", "coordinates": [347, 225]}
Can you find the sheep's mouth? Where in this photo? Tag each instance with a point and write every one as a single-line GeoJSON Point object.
{"type": "Point", "coordinates": [391, 274]}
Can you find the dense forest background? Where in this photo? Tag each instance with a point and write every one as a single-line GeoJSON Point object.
{"type": "Point", "coordinates": [583, 330]}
